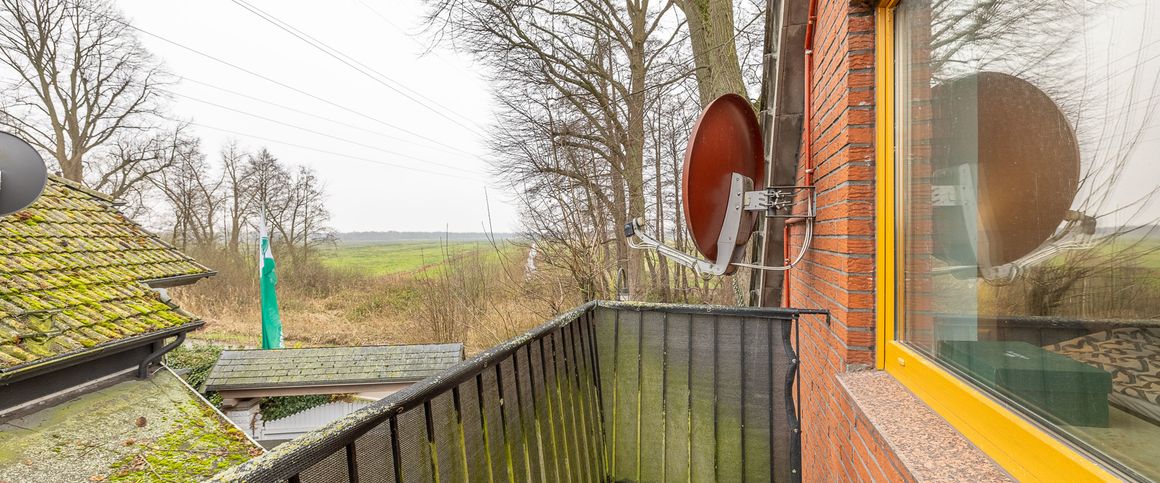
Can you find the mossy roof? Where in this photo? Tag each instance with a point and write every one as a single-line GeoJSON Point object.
{"type": "Point", "coordinates": [71, 273]}
{"type": "Point", "coordinates": [154, 429]}
{"type": "Point", "coordinates": [323, 366]}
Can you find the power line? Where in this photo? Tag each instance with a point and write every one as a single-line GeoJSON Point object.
{"type": "Point", "coordinates": [399, 29]}
{"type": "Point", "coordinates": [332, 153]}
{"type": "Point", "coordinates": [313, 131]}
{"type": "Point", "coordinates": [353, 63]}
{"type": "Point", "coordinates": [323, 118]}
{"type": "Point", "coordinates": [274, 81]}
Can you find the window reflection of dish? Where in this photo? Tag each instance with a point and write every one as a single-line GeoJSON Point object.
{"type": "Point", "coordinates": [1006, 170]}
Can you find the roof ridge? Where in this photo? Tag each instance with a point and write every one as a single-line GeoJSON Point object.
{"type": "Point", "coordinates": [345, 347]}
{"type": "Point", "coordinates": [76, 185]}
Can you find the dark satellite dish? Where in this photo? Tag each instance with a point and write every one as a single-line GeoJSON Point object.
{"type": "Point", "coordinates": [725, 140]}
{"type": "Point", "coordinates": [1008, 164]}
{"type": "Point", "coordinates": [22, 174]}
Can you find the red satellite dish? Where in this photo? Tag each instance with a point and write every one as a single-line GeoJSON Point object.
{"type": "Point", "coordinates": [724, 191]}
{"type": "Point", "coordinates": [726, 140]}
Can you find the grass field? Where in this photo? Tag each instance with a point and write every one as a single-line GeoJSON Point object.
{"type": "Point", "coordinates": [379, 293]}
{"type": "Point", "coordinates": [394, 258]}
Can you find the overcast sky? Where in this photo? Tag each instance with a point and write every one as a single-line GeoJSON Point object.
{"type": "Point", "coordinates": [378, 177]}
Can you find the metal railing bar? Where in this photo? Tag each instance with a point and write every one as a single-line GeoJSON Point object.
{"type": "Point", "coordinates": [351, 463]}
{"type": "Point", "coordinates": [546, 467]}
{"type": "Point", "coordinates": [689, 394]}
{"type": "Point", "coordinates": [594, 356]}
{"type": "Point", "coordinates": [664, 396]}
{"type": "Point", "coordinates": [792, 418]}
{"type": "Point", "coordinates": [431, 447]}
{"type": "Point", "coordinates": [520, 414]}
{"type": "Point", "coordinates": [716, 310]}
{"type": "Point", "coordinates": [507, 444]}
{"type": "Point", "coordinates": [639, 389]}
{"type": "Point", "coordinates": [563, 383]}
{"type": "Point", "coordinates": [536, 411]}
{"type": "Point", "coordinates": [396, 458]}
{"type": "Point", "coordinates": [615, 390]}
{"type": "Point", "coordinates": [772, 397]}
{"type": "Point", "coordinates": [536, 416]}
{"type": "Point", "coordinates": [483, 425]}
{"type": "Point", "coordinates": [591, 376]}
{"type": "Point", "coordinates": [559, 406]}
{"type": "Point", "coordinates": [716, 396]}
{"type": "Point", "coordinates": [455, 401]}
{"type": "Point", "coordinates": [744, 474]}
{"type": "Point", "coordinates": [584, 398]}
{"type": "Point", "coordinates": [551, 412]}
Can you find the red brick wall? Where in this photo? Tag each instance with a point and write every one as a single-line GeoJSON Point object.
{"type": "Point", "coordinates": [838, 272]}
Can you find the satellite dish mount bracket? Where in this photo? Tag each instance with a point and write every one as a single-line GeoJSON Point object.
{"type": "Point", "coordinates": [773, 202]}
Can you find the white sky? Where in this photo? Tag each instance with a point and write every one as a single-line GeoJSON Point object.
{"type": "Point", "coordinates": [363, 195]}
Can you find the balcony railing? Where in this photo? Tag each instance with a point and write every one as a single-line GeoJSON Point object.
{"type": "Point", "coordinates": [606, 392]}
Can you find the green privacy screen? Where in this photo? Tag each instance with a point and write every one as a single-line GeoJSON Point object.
{"type": "Point", "coordinates": [605, 392]}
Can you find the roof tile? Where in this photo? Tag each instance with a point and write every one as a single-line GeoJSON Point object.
{"type": "Point", "coordinates": [70, 273]}
{"type": "Point", "coordinates": [320, 366]}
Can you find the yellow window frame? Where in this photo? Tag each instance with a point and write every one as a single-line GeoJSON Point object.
{"type": "Point", "coordinates": [1027, 451]}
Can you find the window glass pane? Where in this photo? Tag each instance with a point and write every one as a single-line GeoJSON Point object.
{"type": "Point", "coordinates": [1028, 153]}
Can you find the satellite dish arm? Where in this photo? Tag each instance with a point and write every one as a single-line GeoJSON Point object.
{"type": "Point", "coordinates": [726, 242]}
{"type": "Point", "coordinates": [741, 199]}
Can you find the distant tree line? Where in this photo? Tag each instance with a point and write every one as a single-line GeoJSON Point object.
{"type": "Point", "coordinates": [77, 84]}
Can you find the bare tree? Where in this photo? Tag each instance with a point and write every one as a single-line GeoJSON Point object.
{"type": "Point", "coordinates": [193, 194]}
{"type": "Point", "coordinates": [239, 192]}
{"type": "Point", "coordinates": [270, 180]}
{"type": "Point", "coordinates": [81, 78]}
{"type": "Point", "coordinates": [581, 74]}
{"type": "Point", "coordinates": [303, 222]}
{"type": "Point", "coordinates": [125, 170]}
{"type": "Point", "coordinates": [293, 204]}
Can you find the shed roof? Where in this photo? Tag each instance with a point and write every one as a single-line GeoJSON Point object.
{"type": "Point", "coordinates": [72, 267]}
{"type": "Point", "coordinates": [154, 429]}
{"type": "Point", "coordinates": [324, 366]}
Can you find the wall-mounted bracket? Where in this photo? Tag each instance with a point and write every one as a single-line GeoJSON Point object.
{"type": "Point", "coordinates": [774, 201]}
{"type": "Point", "coordinates": [779, 201]}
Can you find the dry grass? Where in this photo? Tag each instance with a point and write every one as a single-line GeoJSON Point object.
{"type": "Point", "coordinates": [481, 298]}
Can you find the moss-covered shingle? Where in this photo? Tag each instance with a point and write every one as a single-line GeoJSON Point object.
{"type": "Point", "coordinates": [71, 268]}
{"type": "Point", "coordinates": [324, 366]}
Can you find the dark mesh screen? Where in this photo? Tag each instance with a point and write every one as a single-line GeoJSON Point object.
{"type": "Point", "coordinates": [527, 417]}
{"type": "Point", "coordinates": [414, 449]}
{"type": "Point", "coordinates": [449, 458]}
{"type": "Point", "coordinates": [619, 393]}
{"type": "Point", "coordinates": [694, 396]}
{"type": "Point", "coordinates": [478, 463]}
{"type": "Point", "coordinates": [333, 468]}
{"type": "Point", "coordinates": [373, 451]}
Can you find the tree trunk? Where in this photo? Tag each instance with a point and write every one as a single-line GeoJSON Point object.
{"type": "Point", "coordinates": [714, 48]}
{"type": "Point", "coordinates": [662, 263]}
{"type": "Point", "coordinates": [71, 168]}
{"type": "Point", "coordinates": [634, 162]}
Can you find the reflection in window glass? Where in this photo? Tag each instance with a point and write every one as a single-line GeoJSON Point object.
{"type": "Point", "coordinates": [1028, 152]}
